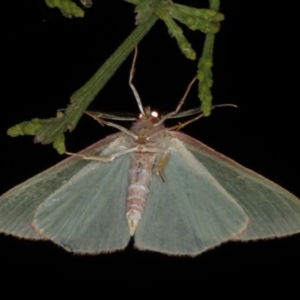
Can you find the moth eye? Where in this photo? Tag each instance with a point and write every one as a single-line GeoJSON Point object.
{"type": "Point", "coordinates": [154, 114]}
{"type": "Point", "coordinates": [140, 116]}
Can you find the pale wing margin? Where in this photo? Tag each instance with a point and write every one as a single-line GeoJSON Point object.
{"type": "Point", "coordinates": [273, 211]}
{"type": "Point", "coordinates": [17, 206]}
{"type": "Point", "coordinates": [190, 212]}
{"type": "Point", "coordinates": [87, 214]}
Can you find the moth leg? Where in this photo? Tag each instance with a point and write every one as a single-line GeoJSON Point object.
{"type": "Point", "coordinates": [96, 117]}
{"type": "Point", "coordinates": [161, 165]}
{"type": "Point", "coordinates": [103, 122]}
{"type": "Point", "coordinates": [181, 125]}
{"type": "Point", "coordinates": [175, 127]}
{"type": "Point", "coordinates": [103, 158]}
{"type": "Point", "coordinates": [121, 128]}
{"type": "Point", "coordinates": [182, 100]}
{"type": "Point", "coordinates": [180, 103]}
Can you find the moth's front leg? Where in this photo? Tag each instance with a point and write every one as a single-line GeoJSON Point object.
{"type": "Point", "coordinates": [103, 158]}
{"type": "Point", "coordinates": [161, 165]}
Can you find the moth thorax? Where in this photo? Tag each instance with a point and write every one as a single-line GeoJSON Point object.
{"type": "Point", "coordinates": [140, 174]}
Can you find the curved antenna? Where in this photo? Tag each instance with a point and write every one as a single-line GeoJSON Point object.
{"type": "Point", "coordinates": [136, 95]}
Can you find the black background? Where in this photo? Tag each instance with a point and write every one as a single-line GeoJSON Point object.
{"type": "Point", "coordinates": [46, 57]}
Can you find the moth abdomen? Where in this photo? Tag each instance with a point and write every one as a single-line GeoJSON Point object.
{"type": "Point", "coordinates": [140, 174]}
{"type": "Point", "coordinates": [136, 201]}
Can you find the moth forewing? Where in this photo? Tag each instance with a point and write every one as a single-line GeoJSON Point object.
{"type": "Point", "coordinates": [273, 211]}
{"type": "Point", "coordinates": [18, 205]}
{"type": "Point", "coordinates": [87, 213]}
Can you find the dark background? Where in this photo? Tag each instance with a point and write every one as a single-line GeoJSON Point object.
{"type": "Point", "coordinates": [46, 57]}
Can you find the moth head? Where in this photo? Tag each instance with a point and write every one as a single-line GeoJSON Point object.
{"type": "Point", "coordinates": [150, 115]}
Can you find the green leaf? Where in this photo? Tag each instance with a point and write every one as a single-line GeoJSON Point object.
{"type": "Point", "coordinates": [162, 11]}
{"type": "Point", "coordinates": [25, 128]}
{"type": "Point", "coordinates": [59, 144]}
{"type": "Point", "coordinates": [68, 8]}
{"type": "Point", "coordinates": [204, 14]}
{"type": "Point", "coordinates": [204, 75]}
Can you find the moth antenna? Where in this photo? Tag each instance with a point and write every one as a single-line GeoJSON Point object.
{"type": "Point", "coordinates": [224, 105]}
{"type": "Point", "coordinates": [132, 70]}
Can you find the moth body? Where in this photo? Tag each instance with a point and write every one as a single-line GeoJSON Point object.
{"type": "Point", "coordinates": [149, 143]}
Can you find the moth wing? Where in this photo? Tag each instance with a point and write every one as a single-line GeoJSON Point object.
{"type": "Point", "coordinates": [190, 212]}
{"type": "Point", "coordinates": [273, 211]}
{"type": "Point", "coordinates": [88, 213]}
{"type": "Point", "coordinates": [17, 206]}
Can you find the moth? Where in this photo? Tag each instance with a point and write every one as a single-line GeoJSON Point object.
{"type": "Point", "coordinates": [166, 190]}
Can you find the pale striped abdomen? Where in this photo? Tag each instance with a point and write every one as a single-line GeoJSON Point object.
{"type": "Point", "coordinates": [140, 174]}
